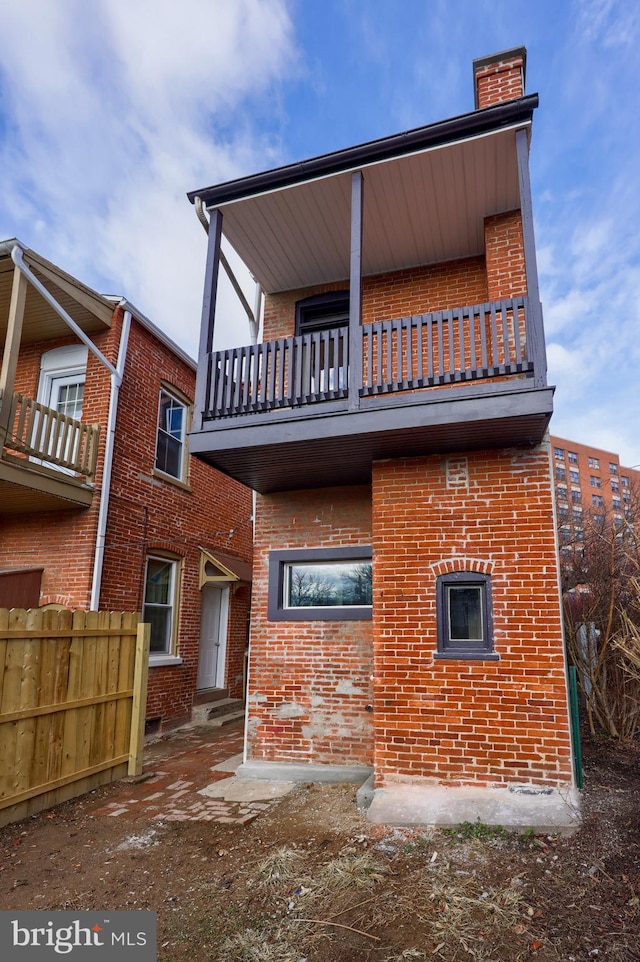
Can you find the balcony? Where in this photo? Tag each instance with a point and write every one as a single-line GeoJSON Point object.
{"type": "Point", "coordinates": [48, 460]}
{"type": "Point", "coordinates": [318, 409]}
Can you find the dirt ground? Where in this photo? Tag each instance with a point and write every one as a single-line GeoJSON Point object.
{"type": "Point", "coordinates": [311, 881]}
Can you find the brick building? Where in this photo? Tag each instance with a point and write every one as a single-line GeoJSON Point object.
{"type": "Point", "coordinates": [101, 505]}
{"type": "Point", "coordinates": [590, 481]}
{"type": "Point", "coordinates": [406, 616]}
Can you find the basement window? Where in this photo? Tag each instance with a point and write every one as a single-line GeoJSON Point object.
{"type": "Point", "coordinates": [320, 584]}
{"type": "Point", "coordinates": [464, 613]}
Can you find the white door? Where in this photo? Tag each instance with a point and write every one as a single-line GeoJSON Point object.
{"type": "Point", "coordinates": [213, 637]}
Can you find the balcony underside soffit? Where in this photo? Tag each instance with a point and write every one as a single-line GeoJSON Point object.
{"type": "Point", "coordinates": [27, 488]}
{"type": "Point", "coordinates": [422, 208]}
{"type": "Point", "coordinates": [91, 311]}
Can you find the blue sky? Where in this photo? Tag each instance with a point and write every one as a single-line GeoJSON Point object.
{"type": "Point", "coordinates": [111, 111]}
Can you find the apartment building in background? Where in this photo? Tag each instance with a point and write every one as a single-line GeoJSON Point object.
{"type": "Point", "coordinates": [101, 504]}
{"type": "Point", "coordinates": [393, 421]}
{"type": "Point", "coordinates": [588, 482]}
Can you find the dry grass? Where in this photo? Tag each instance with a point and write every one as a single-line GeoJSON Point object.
{"type": "Point", "coordinates": [280, 867]}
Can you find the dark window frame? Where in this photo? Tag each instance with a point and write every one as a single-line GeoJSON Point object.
{"type": "Point", "coordinates": [276, 611]}
{"type": "Point", "coordinates": [457, 648]}
{"type": "Point", "coordinates": [322, 312]}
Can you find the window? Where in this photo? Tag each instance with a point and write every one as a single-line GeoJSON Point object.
{"type": "Point", "coordinates": [465, 620]}
{"type": "Point", "coordinates": [574, 476]}
{"type": "Point", "coordinates": [594, 481]}
{"type": "Point", "coordinates": [576, 496]}
{"type": "Point", "coordinates": [615, 486]}
{"type": "Point", "coordinates": [159, 609]}
{"type": "Point", "coordinates": [320, 584]}
{"type": "Point", "coordinates": [596, 500]}
{"type": "Point", "coordinates": [563, 512]}
{"type": "Point", "coordinates": [561, 473]}
{"type": "Point", "coordinates": [325, 312]}
{"type": "Point", "coordinates": [579, 534]}
{"type": "Point", "coordinates": [562, 492]}
{"type": "Point", "coordinates": [558, 453]}
{"type": "Point", "coordinates": [322, 312]}
{"type": "Point", "coordinates": [613, 468]}
{"type": "Point", "coordinates": [172, 429]}
{"type": "Point", "coordinates": [624, 480]}
{"type": "Point", "coordinates": [594, 463]}
{"type": "Point", "coordinates": [577, 514]}
{"type": "Point", "coordinates": [573, 457]}
{"type": "Point", "coordinates": [626, 497]}
{"type": "Point", "coordinates": [616, 503]}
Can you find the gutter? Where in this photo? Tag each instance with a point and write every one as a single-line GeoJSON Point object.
{"type": "Point", "coordinates": [484, 121]}
{"type": "Point", "coordinates": [103, 510]}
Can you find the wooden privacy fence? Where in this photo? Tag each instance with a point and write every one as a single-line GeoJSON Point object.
{"type": "Point", "coordinates": [73, 688]}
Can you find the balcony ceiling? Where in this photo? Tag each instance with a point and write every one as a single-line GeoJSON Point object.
{"type": "Point", "coordinates": [421, 207]}
{"type": "Point", "coordinates": [89, 310]}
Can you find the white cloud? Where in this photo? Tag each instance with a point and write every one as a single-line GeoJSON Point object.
{"type": "Point", "coordinates": [112, 111]}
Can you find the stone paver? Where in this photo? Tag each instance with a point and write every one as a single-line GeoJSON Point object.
{"type": "Point", "coordinates": [176, 770]}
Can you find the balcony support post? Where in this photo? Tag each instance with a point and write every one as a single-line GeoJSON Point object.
{"type": "Point", "coordinates": [203, 376]}
{"type": "Point", "coordinates": [355, 292]}
{"type": "Point", "coordinates": [11, 351]}
{"type": "Point", "coordinates": [536, 350]}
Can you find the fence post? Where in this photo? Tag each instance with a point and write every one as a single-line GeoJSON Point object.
{"type": "Point", "coordinates": [140, 675]}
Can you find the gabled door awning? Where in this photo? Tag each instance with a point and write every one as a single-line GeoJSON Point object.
{"type": "Point", "coordinates": [217, 567]}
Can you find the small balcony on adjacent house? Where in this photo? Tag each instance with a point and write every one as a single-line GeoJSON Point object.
{"type": "Point", "coordinates": [439, 344]}
{"type": "Point", "coordinates": [48, 454]}
{"type": "Point", "coordinates": [48, 459]}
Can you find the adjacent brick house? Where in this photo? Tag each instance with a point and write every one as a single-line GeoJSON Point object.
{"type": "Point", "coordinates": [101, 505]}
{"type": "Point", "coordinates": [406, 614]}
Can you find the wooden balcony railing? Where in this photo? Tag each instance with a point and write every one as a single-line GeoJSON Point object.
{"type": "Point", "coordinates": [52, 438]}
{"type": "Point", "coordinates": [425, 351]}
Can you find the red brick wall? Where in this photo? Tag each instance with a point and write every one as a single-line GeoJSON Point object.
{"type": "Point", "coordinates": [499, 81]}
{"type": "Point", "coordinates": [309, 680]}
{"type": "Point", "coordinates": [63, 542]}
{"type": "Point", "coordinates": [418, 290]}
{"type": "Point", "coordinates": [462, 721]}
{"type": "Point", "coordinates": [504, 249]}
{"type": "Point", "coordinates": [146, 513]}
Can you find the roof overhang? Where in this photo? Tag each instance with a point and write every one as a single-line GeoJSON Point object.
{"type": "Point", "coordinates": [426, 195]}
{"type": "Point", "coordinates": [91, 311]}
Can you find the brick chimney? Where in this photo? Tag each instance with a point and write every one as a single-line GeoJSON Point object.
{"type": "Point", "coordinates": [499, 77]}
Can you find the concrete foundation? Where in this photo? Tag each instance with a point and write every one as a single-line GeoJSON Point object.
{"type": "Point", "coordinates": [517, 809]}
{"type": "Point", "coordinates": [291, 772]}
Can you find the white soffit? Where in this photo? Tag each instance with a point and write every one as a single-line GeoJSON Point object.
{"type": "Point", "coordinates": [420, 208]}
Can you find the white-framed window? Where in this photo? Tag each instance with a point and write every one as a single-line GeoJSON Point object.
{"type": "Point", "coordinates": [160, 608]}
{"type": "Point", "coordinates": [171, 455]}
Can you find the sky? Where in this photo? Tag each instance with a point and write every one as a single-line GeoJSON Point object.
{"type": "Point", "coordinates": [111, 111]}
